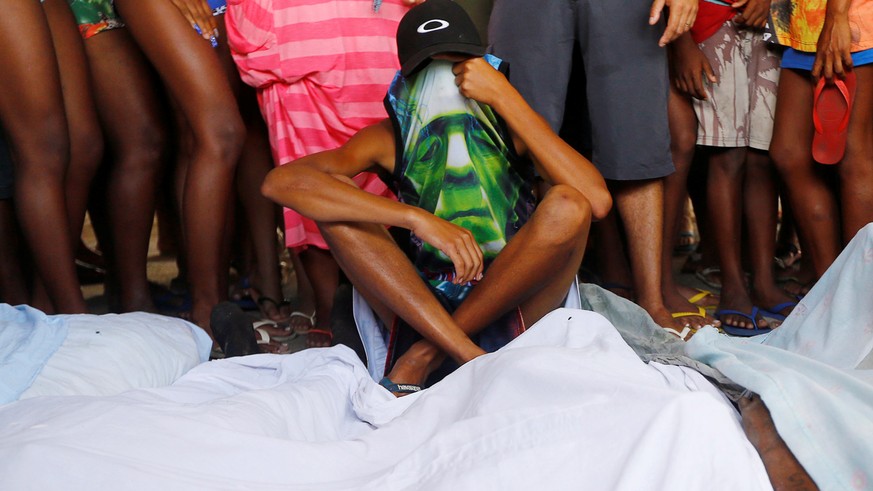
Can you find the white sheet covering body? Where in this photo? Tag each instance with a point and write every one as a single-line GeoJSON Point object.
{"type": "Point", "coordinates": [566, 405]}
{"type": "Point", "coordinates": [108, 354]}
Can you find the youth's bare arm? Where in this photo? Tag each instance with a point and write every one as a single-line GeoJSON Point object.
{"type": "Point", "coordinates": [318, 187]}
{"type": "Point", "coordinates": [556, 161]}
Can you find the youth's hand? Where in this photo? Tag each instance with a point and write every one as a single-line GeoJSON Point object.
{"type": "Point", "coordinates": [682, 16]}
{"type": "Point", "coordinates": [455, 242]}
{"type": "Point", "coordinates": [833, 54]}
{"type": "Point", "coordinates": [689, 66]}
{"type": "Point", "coordinates": [754, 12]}
{"type": "Point", "coordinates": [199, 15]}
{"type": "Point", "coordinates": [478, 80]}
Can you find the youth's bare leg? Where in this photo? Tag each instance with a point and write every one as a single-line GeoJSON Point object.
{"type": "Point", "coordinates": [683, 137]}
{"type": "Point", "coordinates": [260, 213]}
{"type": "Point", "coordinates": [725, 186]}
{"type": "Point", "coordinates": [195, 78]}
{"type": "Point", "coordinates": [759, 194]}
{"type": "Point", "coordinates": [32, 112]}
{"type": "Point", "coordinates": [856, 168]}
{"type": "Point", "coordinates": [130, 110]}
{"type": "Point", "coordinates": [533, 271]}
{"type": "Point", "coordinates": [86, 137]}
{"type": "Point", "coordinates": [641, 205]}
{"type": "Point", "coordinates": [813, 203]}
{"type": "Point", "coordinates": [323, 273]}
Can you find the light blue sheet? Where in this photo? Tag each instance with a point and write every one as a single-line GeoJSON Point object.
{"type": "Point", "coordinates": [815, 372]}
{"type": "Point", "coordinates": [28, 338]}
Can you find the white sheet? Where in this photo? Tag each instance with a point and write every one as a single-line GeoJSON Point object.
{"type": "Point", "coordinates": [108, 354]}
{"type": "Point", "coordinates": [566, 405]}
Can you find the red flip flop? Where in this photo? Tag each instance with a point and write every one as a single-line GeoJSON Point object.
{"type": "Point", "coordinates": [831, 109]}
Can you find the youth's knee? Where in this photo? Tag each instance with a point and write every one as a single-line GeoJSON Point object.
{"type": "Point", "coordinates": [86, 151]}
{"type": "Point", "coordinates": [43, 150]}
{"type": "Point", "coordinates": [789, 159]}
{"type": "Point", "coordinates": [141, 150]}
{"type": "Point", "coordinates": [566, 212]}
{"type": "Point", "coordinates": [221, 138]}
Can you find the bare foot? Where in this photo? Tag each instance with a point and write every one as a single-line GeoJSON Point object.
{"type": "Point", "coordinates": [665, 319]}
{"type": "Point", "coordinates": [319, 338]}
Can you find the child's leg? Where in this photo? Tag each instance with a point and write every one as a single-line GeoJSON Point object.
{"type": "Point", "coordinates": [533, 271]}
{"type": "Point", "coordinates": [134, 123]}
{"type": "Point", "coordinates": [195, 77]}
{"type": "Point", "coordinates": [856, 168]}
{"type": "Point", "coordinates": [683, 133]}
{"type": "Point", "coordinates": [32, 111]}
{"type": "Point", "coordinates": [813, 203]}
{"type": "Point", "coordinates": [86, 137]}
{"type": "Point", "coordinates": [759, 196]}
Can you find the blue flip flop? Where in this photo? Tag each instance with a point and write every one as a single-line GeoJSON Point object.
{"type": "Point", "coordinates": [775, 310]}
{"type": "Point", "coordinates": [741, 331]}
{"type": "Point", "coordinates": [399, 388]}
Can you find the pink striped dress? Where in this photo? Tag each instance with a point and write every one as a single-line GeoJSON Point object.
{"type": "Point", "coordinates": [321, 69]}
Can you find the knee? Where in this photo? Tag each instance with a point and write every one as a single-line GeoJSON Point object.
{"type": "Point", "coordinates": [788, 158]}
{"type": "Point", "coordinates": [44, 149]}
{"type": "Point", "coordinates": [222, 138]}
{"type": "Point", "coordinates": [566, 214]}
{"type": "Point", "coordinates": [143, 150]}
{"type": "Point", "coordinates": [86, 151]}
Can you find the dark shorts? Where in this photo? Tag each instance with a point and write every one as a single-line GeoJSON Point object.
{"type": "Point", "coordinates": [626, 72]}
{"type": "Point", "coordinates": [6, 181]}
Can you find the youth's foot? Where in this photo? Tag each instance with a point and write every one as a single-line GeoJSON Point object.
{"type": "Point", "coordinates": [738, 302]}
{"type": "Point", "coordinates": [775, 301]}
{"type": "Point", "coordinates": [319, 338]}
{"type": "Point", "coordinates": [414, 366]}
{"type": "Point", "coordinates": [665, 319]}
{"type": "Point", "coordinates": [702, 298]}
{"type": "Point", "coordinates": [696, 317]}
{"type": "Point", "coordinates": [300, 322]}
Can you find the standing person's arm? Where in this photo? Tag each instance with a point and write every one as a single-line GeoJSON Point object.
{"type": "Point", "coordinates": [833, 54]}
{"type": "Point", "coordinates": [556, 161]}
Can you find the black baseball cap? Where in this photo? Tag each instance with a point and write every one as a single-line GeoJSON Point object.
{"type": "Point", "coordinates": [435, 27]}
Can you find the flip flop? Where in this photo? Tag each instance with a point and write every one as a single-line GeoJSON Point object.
{"type": "Point", "coordinates": [403, 389]}
{"type": "Point", "coordinates": [831, 109]}
{"type": "Point", "coordinates": [267, 324]}
{"type": "Point", "coordinates": [741, 331]}
{"type": "Point", "coordinates": [700, 295]}
{"type": "Point", "coordinates": [684, 334]}
{"type": "Point", "coordinates": [263, 338]}
{"type": "Point", "coordinates": [310, 318]}
{"type": "Point", "coordinates": [703, 275]}
{"type": "Point", "coordinates": [775, 310]}
{"type": "Point", "coordinates": [700, 313]}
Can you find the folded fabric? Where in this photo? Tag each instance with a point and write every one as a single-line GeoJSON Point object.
{"type": "Point", "coordinates": [28, 338]}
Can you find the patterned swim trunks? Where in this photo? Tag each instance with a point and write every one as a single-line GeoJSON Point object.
{"type": "Point", "coordinates": [95, 16]}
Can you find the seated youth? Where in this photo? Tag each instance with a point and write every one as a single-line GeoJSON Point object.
{"type": "Point", "coordinates": [483, 257]}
